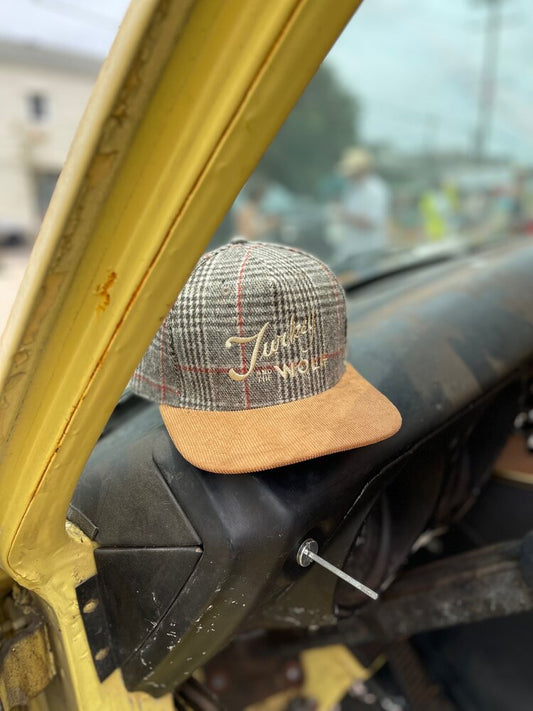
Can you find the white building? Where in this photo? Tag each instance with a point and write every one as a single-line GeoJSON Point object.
{"type": "Point", "coordinates": [43, 93]}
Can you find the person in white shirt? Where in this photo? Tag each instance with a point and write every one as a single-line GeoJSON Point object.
{"type": "Point", "coordinates": [363, 211]}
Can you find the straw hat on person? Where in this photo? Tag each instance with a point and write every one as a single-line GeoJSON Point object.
{"type": "Point", "coordinates": [355, 161]}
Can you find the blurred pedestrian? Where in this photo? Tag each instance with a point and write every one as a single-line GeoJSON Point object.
{"type": "Point", "coordinates": [438, 210]}
{"type": "Point", "coordinates": [363, 211]}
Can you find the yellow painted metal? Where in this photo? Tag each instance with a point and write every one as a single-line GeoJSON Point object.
{"type": "Point", "coordinates": [190, 96]}
{"type": "Point", "coordinates": [328, 674]}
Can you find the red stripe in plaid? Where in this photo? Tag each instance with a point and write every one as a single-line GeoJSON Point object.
{"type": "Point", "coordinates": [198, 369]}
{"type": "Point", "coordinates": [333, 355]}
{"type": "Point", "coordinates": [241, 328]}
{"type": "Point", "coordinates": [138, 376]}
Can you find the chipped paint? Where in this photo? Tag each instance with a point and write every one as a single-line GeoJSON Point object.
{"type": "Point", "coordinates": [104, 291]}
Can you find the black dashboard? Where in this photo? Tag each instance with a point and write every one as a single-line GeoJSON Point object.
{"type": "Point", "coordinates": [188, 560]}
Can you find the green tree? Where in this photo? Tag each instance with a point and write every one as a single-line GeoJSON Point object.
{"type": "Point", "coordinates": [309, 144]}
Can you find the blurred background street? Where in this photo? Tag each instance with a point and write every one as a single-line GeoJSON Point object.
{"type": "Point", "coordinates": [412, 142]}
{"type": "Point", "coordinates": [13, 262]}
{"type": "Point", "coordinates": [50, 56]}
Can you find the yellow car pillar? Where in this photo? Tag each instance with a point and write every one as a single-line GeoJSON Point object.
{"type": "Point", "coordinates": [188, 99]}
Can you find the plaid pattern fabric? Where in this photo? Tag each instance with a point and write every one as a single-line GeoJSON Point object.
{"type": "Point", "coordinates": [255, 325]}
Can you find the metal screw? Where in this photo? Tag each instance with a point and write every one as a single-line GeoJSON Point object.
{"type": "Point", "coordinates": [308, 553]}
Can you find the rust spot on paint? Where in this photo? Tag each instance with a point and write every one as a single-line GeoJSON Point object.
{"type": "Point", "coordinates": [103, 291]}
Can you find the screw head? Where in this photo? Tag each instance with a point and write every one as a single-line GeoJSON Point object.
{"type": "Point", "coordinates": [308, 546]}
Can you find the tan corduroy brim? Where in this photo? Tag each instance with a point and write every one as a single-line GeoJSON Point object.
{"type": "Point", "coordinates": [351, 414]}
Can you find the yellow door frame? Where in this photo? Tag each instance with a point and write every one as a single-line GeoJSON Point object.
{"type": "Point", "coordinates": [189, 97]}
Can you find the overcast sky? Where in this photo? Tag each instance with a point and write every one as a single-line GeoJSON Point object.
{"type": "Point", "coordinates": [415, 65]}
{"type": "Point", "coordinates": [86, 26]}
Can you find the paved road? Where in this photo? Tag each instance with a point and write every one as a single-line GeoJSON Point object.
{"type": "Point", "coordinates": [13, 262]}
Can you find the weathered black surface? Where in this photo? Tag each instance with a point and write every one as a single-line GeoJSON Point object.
{"type": "Point", "coordinates": [449, 345]}
{"type": "Point", "coordinates": [486, 665]}
{"type": "Point", "coordinates": [473, 586]}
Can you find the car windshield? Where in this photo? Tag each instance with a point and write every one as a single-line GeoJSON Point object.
{"type": "Point", "coordinates": [411, 143]}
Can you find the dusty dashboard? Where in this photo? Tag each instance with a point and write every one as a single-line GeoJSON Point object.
{"type": "Point", "coordinates": [188, 560]}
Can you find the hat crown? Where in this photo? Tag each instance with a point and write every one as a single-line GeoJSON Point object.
{"type": "Point", "coordinates": [256, 325]}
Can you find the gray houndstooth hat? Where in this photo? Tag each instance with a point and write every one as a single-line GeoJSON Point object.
{"type": "Point", "coordinates": [249, 365]}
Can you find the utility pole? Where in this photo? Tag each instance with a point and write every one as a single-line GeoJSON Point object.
{"type": "Point", "coordinates": [488, 83]}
